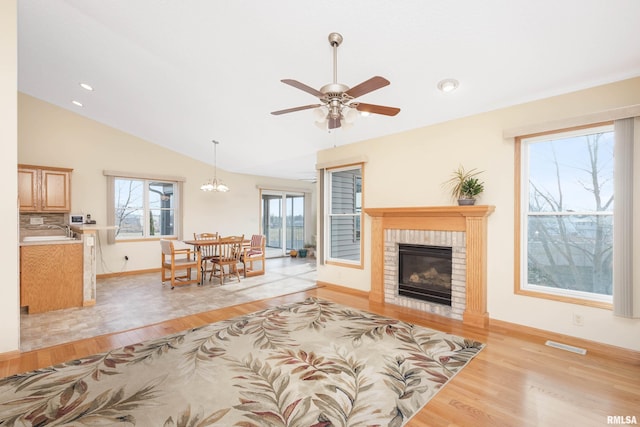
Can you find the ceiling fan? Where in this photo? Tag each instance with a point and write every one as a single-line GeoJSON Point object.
{"type": "Point", "coordinates": [337, 103]}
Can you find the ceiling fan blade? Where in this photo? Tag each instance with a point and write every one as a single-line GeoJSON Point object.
{"type": "Point", "coordinates": [303, 87]}
{"type": "Point", "coordinates": [334, 123]}
{"type": "Point", "coordinates": [291, 110]}
{"type": "Point", "coordinates": [377, 109]}
{"type": "Point", "coordinates": [370, 85]}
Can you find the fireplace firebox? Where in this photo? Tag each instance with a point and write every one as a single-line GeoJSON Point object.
{"type": "Point", "coordinates": [425, 273]}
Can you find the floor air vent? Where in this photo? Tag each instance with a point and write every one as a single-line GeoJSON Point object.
{"type": "Point", "coordinates": [566, 347]}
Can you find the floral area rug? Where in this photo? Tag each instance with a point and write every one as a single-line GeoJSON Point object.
{"type": "Point", "coordinates": [311, 363]}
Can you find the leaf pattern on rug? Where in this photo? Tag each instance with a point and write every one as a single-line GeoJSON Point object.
{"type": "Point", "coordinates": [311, 363]}
{"type": "Point", "coordinates": [345, 401]}
{"type": "Point", "coordinates": [189, 419]}
{"type": "Point", "coordinates": [309, 366]}
{"type": "Point", "coordinates": [266, 395]}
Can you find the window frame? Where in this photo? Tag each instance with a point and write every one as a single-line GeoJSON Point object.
{"type": "Point", "coordinates": [358, 216]}
{"type": "Point", "coordinates": [521, 287]}
{"type": "Point", "coordinates": [177, 183]}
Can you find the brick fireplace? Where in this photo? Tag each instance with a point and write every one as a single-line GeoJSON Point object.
{"type": "Point", "coordinates": [463, 228]}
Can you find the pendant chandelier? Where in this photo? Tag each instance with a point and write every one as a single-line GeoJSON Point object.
{"type": "Point", "coordinates": [214, 184]}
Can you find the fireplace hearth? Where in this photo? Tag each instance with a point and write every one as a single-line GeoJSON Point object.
{"type": "Point", "coordinates": [424, 273]}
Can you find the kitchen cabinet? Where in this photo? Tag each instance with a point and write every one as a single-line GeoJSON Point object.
{"type": "Point", "coordinates": [51, 276]}
{"type": "Point", "coordinates": [44, 189]}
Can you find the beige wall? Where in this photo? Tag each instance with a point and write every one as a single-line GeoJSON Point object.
{"type": "Point", "coordinates": [408, 169]}
{"type": "Point", "coordinates": [9, 302]}
{"type": "Point", "coordinates": [52, 136]}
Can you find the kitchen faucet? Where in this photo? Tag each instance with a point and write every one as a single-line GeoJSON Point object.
{"type": "Point", "coordinates": [67, 229]}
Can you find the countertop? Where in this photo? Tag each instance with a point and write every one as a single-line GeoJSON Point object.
{"type": "Point", "coordinates": [92, 227]}
{"type": "Point", "coordinates": [52, 242]}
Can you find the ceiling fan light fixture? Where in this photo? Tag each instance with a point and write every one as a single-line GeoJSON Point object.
{"type": "Point", "coordinates": [350, 116]}
{"type": "Point", "coordinates": [336, 99]}
{"type": "Point", "coordinates": [346, 125]}
{"type": "Point", "coordinates": [214, 184]}
{"type": "Point", "coordinates": [320, 114]}
{"type": "Point", "coordinates": [448, 85]}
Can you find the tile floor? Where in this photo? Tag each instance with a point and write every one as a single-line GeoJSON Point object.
{"type": "Point", "coordinates": [128, 302]}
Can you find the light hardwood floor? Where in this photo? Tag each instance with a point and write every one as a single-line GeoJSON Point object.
{"type": "Point", "coordinates": [515, 381]}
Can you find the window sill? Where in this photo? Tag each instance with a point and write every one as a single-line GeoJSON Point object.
{"type": "Point", "coordinates": [567, 299]}
{"type": "Point", "coordinates": [358, 266]}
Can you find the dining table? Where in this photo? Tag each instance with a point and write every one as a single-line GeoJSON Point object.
{"type": "Point", "coordinates": [198, 244]}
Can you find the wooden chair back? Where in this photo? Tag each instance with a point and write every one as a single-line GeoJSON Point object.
{"type": "Point", "coordinates": [229, 253]}
{"type": "Point", "coordinates": [207, 251]}
{"type": "Point", "coordinates": [255, 253]}
{"type": "Point", "coordinates": [175, 260]}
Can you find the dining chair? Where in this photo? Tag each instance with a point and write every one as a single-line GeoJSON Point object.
{"type": "Point", "coordinates": [178, 259]}
{"type": "Point", "coordinates": [255, 252]}
{"type": "Point", "coordinates": [207, 253]}
{"type": "Point", "coordinates": [229, 253]}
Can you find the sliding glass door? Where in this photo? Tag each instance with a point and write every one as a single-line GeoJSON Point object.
{"type": "Point", "coordinates": [294, 231]}
{"type": "Point", "coordinates": [272, 220]}
{"type": "Point", "coordinates": [283, 220]}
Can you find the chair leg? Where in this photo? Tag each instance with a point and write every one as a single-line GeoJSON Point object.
{"type": "Point", "coordinates": [217, 267]}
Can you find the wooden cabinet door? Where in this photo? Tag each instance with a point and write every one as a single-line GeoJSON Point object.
{"type": "Point", "coordinates": [42, 189]}
{"type": "Point", "coordinates": [51, 277]}
{"type": "Point", "coordinates": [55, 191]}
{"type": "Point", "coordinates": [28, 193]}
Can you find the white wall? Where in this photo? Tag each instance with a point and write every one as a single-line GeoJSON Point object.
{"type": "Point", "coordinates": [408, 169]}
{"type": "Point", "coordinates": [9, 303]}
{"type": "Point", "coordinates": [52, 136]}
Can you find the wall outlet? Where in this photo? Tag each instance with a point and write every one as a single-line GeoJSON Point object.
{"type": "Point", "coordinates": [36, 220]}
{"type": "Point", "coordinates": [578, 319]}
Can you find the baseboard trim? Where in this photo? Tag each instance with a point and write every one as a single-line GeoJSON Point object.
{"type": "Point", "coordinates": [127, 273]}
{"type": "Point", "coordinates": [593, 347]}
{"type": "Point", "coordinates": [9, 355]}
{"type": "Point", "coordinates": [343, 289]}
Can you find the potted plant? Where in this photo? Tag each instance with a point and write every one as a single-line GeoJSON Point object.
{"type": "Point", "coordinates": [310, 247]}
{"type": "Point", "coordinates": [465, 186]}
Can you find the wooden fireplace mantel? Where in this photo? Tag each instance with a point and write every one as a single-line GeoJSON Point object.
{"type": "Point", "coordinates": [470, 219]}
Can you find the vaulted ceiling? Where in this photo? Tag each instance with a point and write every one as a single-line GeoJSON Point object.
{"type": "Point", "coordinates": [180, 73]}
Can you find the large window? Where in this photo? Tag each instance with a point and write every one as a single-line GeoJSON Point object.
{"type": "Point", "coordinates": [566, 215]}
{"type": "Point", "coordinates": [344, 215]}
{"type": "Point", "coordinates": [144, 208]}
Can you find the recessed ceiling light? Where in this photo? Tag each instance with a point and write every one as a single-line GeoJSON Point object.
{"type": "Point", "coordinates": [448, 85]}
{"type": "Point", "coordinates": [86, 86]}
{"type": "Point", "coordinates": [365, 113]}
{"type": "Point", "coordinates": [77, 103]}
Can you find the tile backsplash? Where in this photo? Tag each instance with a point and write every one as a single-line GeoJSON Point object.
{"type": "Point", "coordinates": [48, 219]}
